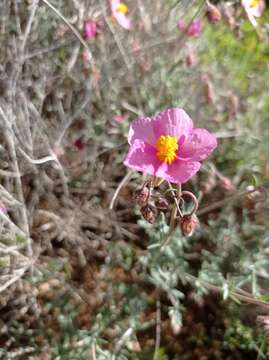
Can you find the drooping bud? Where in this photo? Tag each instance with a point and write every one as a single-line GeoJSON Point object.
{"type": "Point", "coordinates": [208, 90]}
{"type": "Point", "coordinates": [149, 213]}
{"type": "Point", "coordinates": [188, 224]}
{"type": "Point", "coordinates": [161, 203]}
{"type": "Point", "coordinates": [253, 198]}
{"type": "Point", "coordinates": [190, 59]}
{"type": "Point", "coordinates": [175, 321]}
{"type": "Point", "coordinates": [141, 196]}
{"type": "Point", "coordinates": [228, 16]}
{"type": "Point", "coordinates": [263, 323]}
{"type": "Point", "coordinates": [208, 185]}
{"type": "Point", "coordinates": [233, 105]}
{"type": "Point", "coordinates": [213, 13]}
{"type": "Point", "coordinates": [227, 184]}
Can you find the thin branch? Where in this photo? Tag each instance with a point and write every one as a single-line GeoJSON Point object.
{"type": "Point", "coordinates": [236, 294]}
{"type": "Point", "coordinates": [120, 186]}
{"type": "Point", "coordinates": [72, 28]}
{"type": "Point", "coordinates": [9, 135]}
{"type": "Point", "coordinates": [121, 342]}
{"type": "Point", "coordinates": [230, 199]}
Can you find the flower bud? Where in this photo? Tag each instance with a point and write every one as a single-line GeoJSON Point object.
{"type": "Point", "coordinates": [190, 59]}
{"type": "Point", "coordinates": [188, 223]}
{"type": "Point", "coordinates": [228, 16]}
{"type": "Point", "coordinates": [208, 184]}
{"type": "Point", "coordinates": [227, 184]}
{"type": "Point", "coordinates": [253, 198]}
{"type": "Point", "coordinates": [263, 323]}
{"type": "Point", "coordinates": [208, 90]}
{"type": "Point", "coordinates": [161, 203]}
{"type": "Point", "coordinates": [175, 321]}
{"type": "Point", "coordinates": [149, 213]}
{"type": "Point", "coordinates": [213, 14]}
{"type": "Point", "coordinates": [233, 105]}
{"type": "Point", "coordinates": [141, 196]}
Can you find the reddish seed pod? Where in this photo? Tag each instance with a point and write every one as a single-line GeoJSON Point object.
{"type": "Point", "coordinates": [161, 203]}
{"type": "Point", "coordinates": [213, 14]}
{"type": "Point", "coordinates": [149, 213]}
{"type": "Point", "coordinates": [188, 224]}
{"type": "Point", "coordinates": [141, 196]}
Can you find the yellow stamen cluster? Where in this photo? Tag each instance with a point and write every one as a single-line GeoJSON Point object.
{"type": "Point", "coordinates": [254, 3]}
{"type": "Point", "coordinates": [167, 147]}
{"type": "Point", "coordinates": [122, 8]}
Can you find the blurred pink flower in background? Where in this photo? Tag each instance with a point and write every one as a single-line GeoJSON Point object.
{"type": "Point", "coordinates": [3, 209]}
{"type": "Point", "coordinates": [80, 143]}
{"type": "Point", "coordinates": [194, 29]}
{"type": "Point", "coordinates": [119, 10]}
{"type": "Point", "coordinates": [213, 13]}
{"type": "Point", "coordinates": [58, 151]}
{"type": "Point", "coordinates": [86, 57]}
{"type": "Point", "coordinates": [90, 29]}
{"type": "Point", "coordinates": [167, 146]}
{"type": "Point", "coordinates": [120, 118]}
{"type": "Point", "coordinates": [253, 9]}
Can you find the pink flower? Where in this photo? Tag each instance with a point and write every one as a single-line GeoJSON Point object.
{"type": "Point", "coordinates": [194, 29]}
{"type": "Point", "coordinates": [253, 8]}
{"type": "Point", "coordinates": [90, 29]}
{"type": "Point", "coordinates": [167, 146]}
{"type": "Point", "coordinates": [119, 10]}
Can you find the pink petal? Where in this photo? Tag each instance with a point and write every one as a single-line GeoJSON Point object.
{"type": "Point", "coordinates": [174, 122]}
{"type": "Point", "coordinates": [261, 8]}
{"type": "Point", "coordinates": [142, 129]}
{"type": "Point", "coordinates": [142, 157]}
{"type": "Point", "coordinates": [114, 5]}
{"type": "Point", "coordinates": [181, 25]}
{"type": "Point", "coordinates": [123, 20]}
{"type": "Point", "coordinates": [252, 19]}
{"type": "Point", "coordinates": [253, 12]}
{"type": "Point", "coordinates": [179, 171]}
{"type": "Point", "coordinates": [198, 145]}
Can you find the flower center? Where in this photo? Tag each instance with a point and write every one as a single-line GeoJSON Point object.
{"type": "Point", "coordinates": [254, 3]}
{"type": "Point", "coordinates": [122, 8]}
{"type": "Point", "coordinates": [167, 147]}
